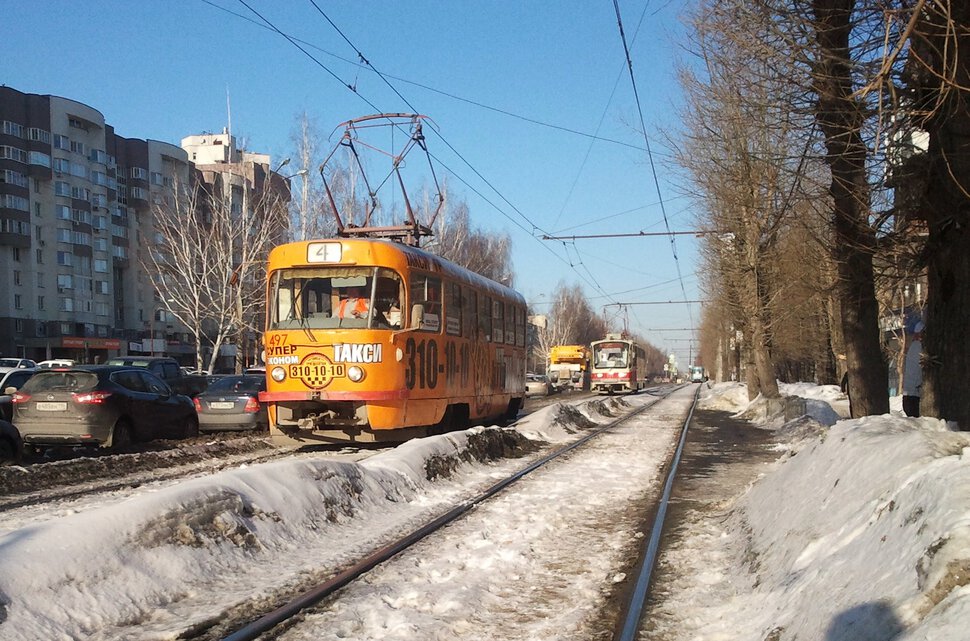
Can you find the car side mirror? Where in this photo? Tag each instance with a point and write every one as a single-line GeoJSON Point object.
{"type": "Point", "coordinates": [417, 315]}
{"type": "Point", "coordinates": [10, 391]}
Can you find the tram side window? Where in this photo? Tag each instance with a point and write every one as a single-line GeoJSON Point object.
{"type": "Point", "coordinates": [520, 326]}
{"type": "Point", "coordinates": [426, 291]}
{"type": "Point", "coordinates": [509, 324]}
{"type": "Point", "coordinates": [453, 310]}
{"type": "Point", "coordinates": [485, 317]}
{"type": "Point", "coordinates": [498, 322]}
{"type": "Point", "coordinates": [469, 305]}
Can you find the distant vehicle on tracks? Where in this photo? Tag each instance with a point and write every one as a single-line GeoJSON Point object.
{"type": "Point", "coordinates": [697, 374]}
{"type": "Point", "coordinates": [617, 365]}
{"type": "Point", "coordinates": [374, 340]}
{"type": "Point", "coordinates": [567, 366]}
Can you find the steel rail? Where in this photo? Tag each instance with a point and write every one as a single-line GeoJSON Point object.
{"type": "Point", "coordinates": [315, 595]}
{"type": "Point", "coordinates": [633, 608]}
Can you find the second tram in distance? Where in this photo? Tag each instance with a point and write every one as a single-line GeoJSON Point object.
{"type": "Point", "coordinates": [372, 340]}
{"type": "Point", "coordinates": [617, 365]}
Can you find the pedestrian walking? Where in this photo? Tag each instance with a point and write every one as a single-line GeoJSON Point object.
{"type": "Point", "coordinates": [913, 372]}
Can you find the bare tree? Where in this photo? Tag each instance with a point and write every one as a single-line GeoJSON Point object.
{"type": "Point", "coordinates": [940, 80]}
{"type": "Point", "coordinates": [570, 320]}
{"type": "Point", "coordinates": [458, 240]}
{"type": "Point", "coordinates": [205, 263]}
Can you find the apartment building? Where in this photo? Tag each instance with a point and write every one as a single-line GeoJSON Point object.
{"type": "Point", "coordinates": [75, 218]}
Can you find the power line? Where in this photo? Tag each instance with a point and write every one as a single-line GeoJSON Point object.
{"type": "Point", "coordinates": [656, 302]}
{"type": "Point", "coordinates": [653, 169]}
{"type": "Point", "coordinates": [352, 88]}
{"type": "Point", "coordinates": [475, 103]}
{"type": "Point", "coordinates": [691, 232]}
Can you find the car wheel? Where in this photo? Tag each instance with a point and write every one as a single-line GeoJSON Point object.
{"type": "Point", "coordinates": [121, 435]}
{"type": "Point", "coordinates": [9, 452]}
{"type": "Point", "coordinates": [191, 427]}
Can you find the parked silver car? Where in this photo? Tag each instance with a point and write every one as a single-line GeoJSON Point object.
{"type": "Point", "coordinates": [537, 385]}
{"type": "Point", "coordinates": [232, 403]}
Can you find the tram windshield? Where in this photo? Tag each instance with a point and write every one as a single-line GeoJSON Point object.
{"type": "Point", "coordinates": [336, 297]}
{"type": "Point", "coordinates": [606, 355]}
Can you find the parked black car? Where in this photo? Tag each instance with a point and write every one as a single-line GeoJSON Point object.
{"type": "Point", "coordinates": [10, 383]}
{"type": "Point", "coordinates": [232, 403]}
{"type": "Point", "coordinates": [11, 445]}
{"type": "Point", "coordinates": [101, 405]}
{"type": "Point", "coordinates": [167, 369]}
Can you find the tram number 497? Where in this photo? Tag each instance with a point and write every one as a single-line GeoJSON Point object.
{"type": "Point", "coordinates": [422, 365]}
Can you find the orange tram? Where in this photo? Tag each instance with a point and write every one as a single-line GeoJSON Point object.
{"type": "Point", "coordinates": [372, 340]}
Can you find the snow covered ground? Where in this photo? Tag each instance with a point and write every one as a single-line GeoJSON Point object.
{"type": "Point", "coordinates": [860, 530]}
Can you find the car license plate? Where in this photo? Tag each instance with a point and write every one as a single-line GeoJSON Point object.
{"type": "Point", "coordinates": [47, 406]}
{"type": "Point", "coordinates": [222, 405]}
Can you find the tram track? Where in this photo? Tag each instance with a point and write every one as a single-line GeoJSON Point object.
{"type": "Point", "coordinates": [276, 621]}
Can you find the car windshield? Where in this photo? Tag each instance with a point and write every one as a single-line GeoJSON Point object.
{"type": "Point", "coordinates": [9, 362]}
{"type": "Point", "coordinates": [58, 381]}
{"type": "Point", "coordinates": [237, 385]}
{"type": "Point", "coordinates": [331, 297]}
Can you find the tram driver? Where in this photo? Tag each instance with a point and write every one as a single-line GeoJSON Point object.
{"type": "Point", "coordinates": [352, 304]}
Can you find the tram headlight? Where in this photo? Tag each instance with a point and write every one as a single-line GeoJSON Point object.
{"type": "Point", "coordinates": [278, 374]}
{"type": "Point", "coordinates": [356, 374]}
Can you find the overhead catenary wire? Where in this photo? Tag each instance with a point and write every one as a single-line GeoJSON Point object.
{"type": "Point", "coordinates": [591, 280]}
{"type": "Point", "coordinates": [481, 105]}
{"type": "Point", "coordinates": [653, 168]}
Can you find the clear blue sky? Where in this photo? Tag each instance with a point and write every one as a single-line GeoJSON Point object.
{"type": "Point", "coordinates": [162, 70]}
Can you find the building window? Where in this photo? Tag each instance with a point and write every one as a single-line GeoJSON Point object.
{"type": "Point", "coordinates": [13, 129]}
{"type": "Point", "coordinates": [62, 166]}
{"type": "Point", "coordinates": [13, 153]}
{"type": "Point", "coordinates": [16, 277]}
{"type": "Point", "coordinates": [98, 156]}
{"type": "Point", "coordinates": [101, 266]}
{"type": "Point", "coordinates": [10, 177]}
{"type": "Point", "coordinates": [67, 305]}
{"type": "Point", "coordinates": [17, 302]}
{"type": "Point", "coordinates": [77, 147]}
{"type": "Point", "coordinates": [16, 254]}
{"type": "Point", "coordinates": [40, 135]}
{"type": "Point", "coordinates": [62, 142]}
{"type": "Point", "coordinates": [39, 158]}
{"type": "Point", "coordinates": [139, 173]}
{"type": "Point", "coordinates": [139, 193]}
{"type": "Point", "coordinates": [65, 258]}
{"type": "Point", "coordinates": [62, 188]}
{"type": "Point", "coordinates": [77, 123]}
{"type": "Point", "coordinates": [39, 256]}
{"type": "Point", "coordinates": [40, 302]}
{"type": "Point", "coordinates": [18, 325]}
{"type": "Point", "coordinates": [65, 329]}
{"type": "Point", "coordinates": [15, 202]}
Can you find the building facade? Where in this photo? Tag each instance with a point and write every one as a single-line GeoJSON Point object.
{"type": "Point", "coordinates": [76, 204]}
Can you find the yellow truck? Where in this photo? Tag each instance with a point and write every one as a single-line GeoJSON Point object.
{"type": "Point", "coordinates": [567, 366]}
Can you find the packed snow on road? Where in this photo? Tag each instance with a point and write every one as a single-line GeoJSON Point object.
{"type": "Point", "coordinates": [859, 529]}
